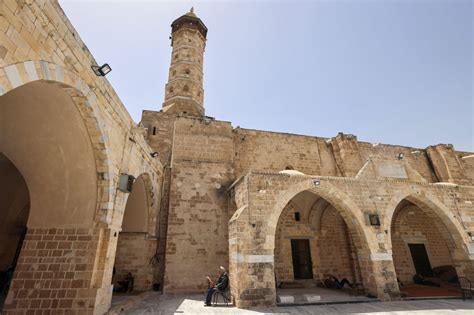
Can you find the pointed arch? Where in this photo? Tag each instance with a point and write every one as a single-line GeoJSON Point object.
{"type": "Point", "coordinates": [16, 75]}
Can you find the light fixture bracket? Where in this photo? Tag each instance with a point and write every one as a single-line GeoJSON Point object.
{"type": "Point", "coordinates": [101, 71]}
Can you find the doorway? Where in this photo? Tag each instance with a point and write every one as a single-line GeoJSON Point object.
{"type": "Point", "coordinates": [301, 254]}
{"type": "Point", "coordinates": [420, 259]}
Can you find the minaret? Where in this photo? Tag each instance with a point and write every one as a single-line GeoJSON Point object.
{"type": "Point", "coordinates": [184, 91]}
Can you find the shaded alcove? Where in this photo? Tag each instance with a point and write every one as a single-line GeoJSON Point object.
{"type": "Point", "coordinates": [135, 247]}
{"type": "Point", "coordinates": [14, 209]}
{"type": "Point", "coordinates": [45, 137]}
{"type": "Point", "coordinates": [48, 176]}
{"type": "Point", "coordinates": [309, 218]}
{"type": "Point", "coordinates": [422, 244]}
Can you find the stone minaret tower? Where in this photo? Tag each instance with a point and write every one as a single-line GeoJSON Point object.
{"type": "Point", "coordinates": [184, 92]}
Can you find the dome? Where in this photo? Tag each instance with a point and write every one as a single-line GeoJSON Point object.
{"type": "Point", "coordinates": [291, 172]}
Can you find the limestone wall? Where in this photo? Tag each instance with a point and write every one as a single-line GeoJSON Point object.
{"type": "Point", "coordinates": [201, 170]}
{"type": "Point", "coordinates": [271, 151]}
{"type": "Point", "coordinates": [342, 155]}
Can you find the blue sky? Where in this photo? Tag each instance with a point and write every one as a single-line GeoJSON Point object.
{"type": "Point", "coordinates": [397, 72]}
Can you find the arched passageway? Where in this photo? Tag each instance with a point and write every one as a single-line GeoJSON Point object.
{"type": "Point", "coordinates": [427, 256]}
{"type": "Point", "coordinates": [49, 181]}
{"type": "Point", "coordinates": [312, 243]}
{"type": "Point", "coordinates": [14, 208]}
{"type": "Point", "coordinates": [136, 248]}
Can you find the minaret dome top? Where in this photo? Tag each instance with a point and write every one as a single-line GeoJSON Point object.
{"type": "Point", "coordinates": [189, 20]}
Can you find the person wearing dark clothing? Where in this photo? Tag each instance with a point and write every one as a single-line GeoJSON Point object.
{"type": "Point", "coordinates": [221, 285]}
{"type": "Point", "coordinates": [125, 285]}
{"type": "Point", "coordinates": [419, 279]}
{"type": "Point", "coordinates": [333, 283]}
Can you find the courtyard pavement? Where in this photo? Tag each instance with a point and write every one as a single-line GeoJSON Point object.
{"type": "Point", "coordinates": [157, 303]}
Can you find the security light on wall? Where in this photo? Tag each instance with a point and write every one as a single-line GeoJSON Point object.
{"type": "Point", "coordinates": [101, 71]}
{"type": "Point", "coordinates": [401, 156]}
{"type": "Point", "coordinates": [316, 182]}
{"type": "Point", "coordinates": [154, 154]}
{"type": "Point", "coordinates": [126, 183]}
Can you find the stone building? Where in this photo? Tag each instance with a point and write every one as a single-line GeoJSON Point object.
{"type": "Point", "coordinates": [273, 207]}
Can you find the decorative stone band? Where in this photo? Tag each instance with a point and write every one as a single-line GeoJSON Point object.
{"type": "Point", "coordinates": [381, 257]}
{"type": "Point", "coordinates": [239, 258]}
{"type": "Point", "coordinates": [470, 250]}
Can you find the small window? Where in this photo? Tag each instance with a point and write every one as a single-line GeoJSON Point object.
{"type": "Point", "coordinates": [176, 56]}
{"type": "Point", "coordinates": [174, 73]}
{"type": "Point", "coordinates": [186, 88]}
{"type": "Point", "coordinates": [199, 93]}
{"type": "Point", "coordinates": [170, 90]}
{"type": "Point", "coordinates": [154, 130]}
{"type": "Point", "coordinates": [187, 71]}
{"type": "Point", "coordinates": [289, 168]}
{"type": "Point", "coordinates": [297, 216]}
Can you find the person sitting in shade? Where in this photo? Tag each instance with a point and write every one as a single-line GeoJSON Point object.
{"type": "Point", "coordinates": [333, 283]}
{"type": "Point", "coordinates": [221, 285]}
{"type": "Point", "coordinates": [126, 285]}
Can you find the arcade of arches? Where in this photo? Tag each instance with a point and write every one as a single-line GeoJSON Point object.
{"type": "Point", "coordinates": [307, 231]}
{"type": "Point", "coordinates": [55, 252]}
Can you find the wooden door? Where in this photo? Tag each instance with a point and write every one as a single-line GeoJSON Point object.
{"type": "Point", "coordinates": [301, 253]}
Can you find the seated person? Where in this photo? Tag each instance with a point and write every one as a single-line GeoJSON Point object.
{"type": "Point", "coordinates": [221, 285]}
{"type": "Point", "coordinates": [419, 279]}
{"type": "Point", "coordinates": [333, 283]}
{"type": "Point", "coordinates": [126, 285]}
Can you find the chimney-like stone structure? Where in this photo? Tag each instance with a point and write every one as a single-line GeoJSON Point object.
{"type": "Point", "coordinates": [184, 93]}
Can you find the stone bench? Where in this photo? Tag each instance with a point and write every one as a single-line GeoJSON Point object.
{"type": "Point", "coordinates": [285, 299]}
{"type": "Point", "coordinates": [312, 298]}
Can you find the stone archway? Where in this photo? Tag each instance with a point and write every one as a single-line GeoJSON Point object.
{"type": "Point", "coordinates": [137, 244]}
{"type": "Point", "coordinates": [252, 236]}
{"type": "Point", "coordinates": [17, 75]}
{"type": "Point", "coordinates": [45, 134]}
{"type": "Point", "coordinates": [351, 216]}
{"type": "Point", "coordinates": [328, 247]}
{"type": "Point", "coordinates": [420, 219]}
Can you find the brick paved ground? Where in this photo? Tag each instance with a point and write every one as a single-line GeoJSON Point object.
{"type": "Point", "coordinates": [193, 304]}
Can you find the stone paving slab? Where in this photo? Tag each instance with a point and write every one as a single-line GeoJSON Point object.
{"type": "Point", "coordinates": [193, 304]}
